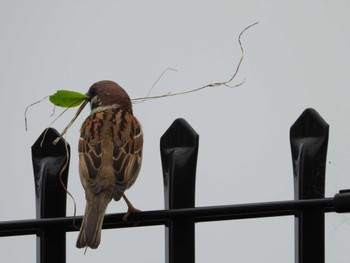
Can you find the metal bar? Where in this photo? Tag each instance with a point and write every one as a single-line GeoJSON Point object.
{"type": "Point", "coordinates": [179, 150]}
{"type": "Point", "coordinates": [48, 162]}
{"type": "Point", "coordinates": [161, 217]}
{"type": "Point", "coordinates": [309, 140]}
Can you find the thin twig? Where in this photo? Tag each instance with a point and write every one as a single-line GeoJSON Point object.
{"type": "Point", "coordinates": [41, 144]}
{"type": "Point", "coordinates": [160, 76]}
{"type": "Point", "coordinates": [53, 111]}
{"type": "Point", "coordinates": [25, 112]}
{"type": "Point", "coordinates": [154, 84]}
{"type": "Point", "coordinates": [63, 185]}
{"type": "Point", "coordinates": [71, 122]}
{"type": "Point", "coordinates": [216, 84]}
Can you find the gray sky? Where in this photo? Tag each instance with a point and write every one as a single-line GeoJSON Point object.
{"type": "Point", "coordinates": [298, 56]}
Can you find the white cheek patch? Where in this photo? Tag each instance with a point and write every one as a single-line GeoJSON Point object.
{"type": "Point", "coordinates": [102, 108]}
{"type": "Point", "coordinates": [94, 102]}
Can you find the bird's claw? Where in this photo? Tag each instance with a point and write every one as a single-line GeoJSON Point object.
{"type": "Point", "coordinates": [129, 212]}
{"type": "Point", "coordinates": [131, 208]}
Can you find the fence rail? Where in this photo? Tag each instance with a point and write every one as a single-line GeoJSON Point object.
{"type": "Point", "coordinates": [179, 148]}
{"type": "Point", "coordinates": [199, 214]}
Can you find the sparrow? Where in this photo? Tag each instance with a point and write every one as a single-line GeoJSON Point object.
{"type": "Point", "coordinates": [110, 155]}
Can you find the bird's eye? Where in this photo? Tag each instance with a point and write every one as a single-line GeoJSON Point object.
{"type": "Point", "coordinates": [92, 94]}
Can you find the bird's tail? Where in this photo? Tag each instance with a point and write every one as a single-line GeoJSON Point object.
{"type": "Point", "coordinates": [90, 231]}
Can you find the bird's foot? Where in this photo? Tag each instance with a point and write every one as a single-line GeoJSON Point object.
{"type": "Point", "coordinates": [131, 209]}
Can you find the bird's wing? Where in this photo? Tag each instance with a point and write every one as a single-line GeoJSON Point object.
{"type": "Point", "coordinates": [126, 133]}
{"type": "Point", "coordinates": [127, 153]}
{"type": "Point", "coordinates": [90, 155]}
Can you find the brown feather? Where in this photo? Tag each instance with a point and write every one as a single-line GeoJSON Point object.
{"type": "Point", "coordinates": [110, 154]}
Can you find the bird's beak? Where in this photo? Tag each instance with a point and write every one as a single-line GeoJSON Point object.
{"type": "Point", "coordinates": [89, 95]}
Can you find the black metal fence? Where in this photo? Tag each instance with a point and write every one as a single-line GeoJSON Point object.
{"type": "Point", "coordinates": [179, 148]}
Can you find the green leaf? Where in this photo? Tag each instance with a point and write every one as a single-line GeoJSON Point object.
{"type": "Point", "coordinates": [67, 98]}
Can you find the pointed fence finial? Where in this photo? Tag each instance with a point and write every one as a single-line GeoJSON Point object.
{"type": "Point", "coordinates": [309, 140]}
{"type": "Point", "coordinates": [48, 161]}
{"type": "Point", "coordinates": [179, 150]}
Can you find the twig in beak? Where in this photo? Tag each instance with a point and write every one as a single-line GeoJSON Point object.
{"type": "Point", "coordinates": [71, 122]}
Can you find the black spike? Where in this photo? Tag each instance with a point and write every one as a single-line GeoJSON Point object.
{"type": "Point", "coordinates": [48, 161]}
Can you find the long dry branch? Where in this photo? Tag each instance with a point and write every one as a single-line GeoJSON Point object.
{"type": "Point", "coordinates": [211, 85]}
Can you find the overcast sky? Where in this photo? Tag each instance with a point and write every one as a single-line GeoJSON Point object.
{"type": "Point", "coordinates": [298, 56]}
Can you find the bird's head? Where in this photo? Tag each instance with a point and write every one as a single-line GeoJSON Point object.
{"type": "Point", "coordinates": [107, 94]}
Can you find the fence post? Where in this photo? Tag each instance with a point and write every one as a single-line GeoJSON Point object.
{"type": "Point", "coordinates": [48, 160]}
{"type": "Point", "coordinates": [309, 140]}
{"type": "Point", "coordinates": [179, 150]}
